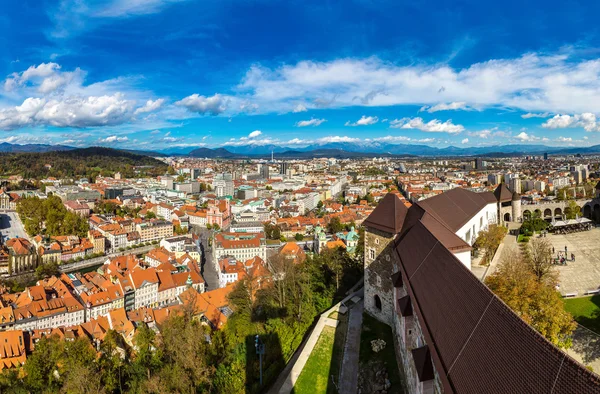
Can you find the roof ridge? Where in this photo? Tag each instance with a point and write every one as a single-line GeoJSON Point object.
{"type": "Point", "coordinates": [558, 372]}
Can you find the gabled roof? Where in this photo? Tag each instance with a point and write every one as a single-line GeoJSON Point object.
{"type": "Point", "coordinates": [477, 343]}
{"type": "Point", "coordinates": [388, 216]}
{"type": "Point", "coordinates": [502, 193]}
{"type": "Point", "coordinates": [455, 207]}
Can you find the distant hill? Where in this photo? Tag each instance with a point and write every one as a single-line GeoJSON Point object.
{"type": "Point", "coordinates": [374, 148]}
{"type": "Point", "coordinates": [86, 162]}
{"type": "Point", "coordinates": [8, 147]}
{"type": "Point", "coordinates": [213, 153]}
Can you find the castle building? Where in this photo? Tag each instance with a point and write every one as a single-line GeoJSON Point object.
{"type": "Point", "coordinates": [452, 334]}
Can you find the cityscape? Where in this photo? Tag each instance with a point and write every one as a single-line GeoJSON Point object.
{"type": "Point", "coordinates": [282, 197]}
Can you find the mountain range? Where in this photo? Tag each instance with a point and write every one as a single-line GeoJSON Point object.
{"type": "Point", "coordinates": [335, 149]}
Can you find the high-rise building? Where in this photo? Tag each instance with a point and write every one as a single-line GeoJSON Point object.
{"type": "Point", "coordinates": [479, 163]}
{"type": "Point", "coordinates": [545, 155]}
{"type": "Point", "coordinates": [515, 185]}
{"type": "Point", "coordinates": [283, 167]}
{"type": "Point", "coordinates": [264, 171]}
{"type": "Point", "coordinates": [223, 185]}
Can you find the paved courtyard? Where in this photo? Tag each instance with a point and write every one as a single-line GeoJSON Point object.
{"type": "Point", "coordinates": [11, 226]}
{"type": "Point", "coordinates": [584, 274]}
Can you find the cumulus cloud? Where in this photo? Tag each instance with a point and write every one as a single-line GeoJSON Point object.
{"type": "Point", "coordinates": [363, 121]}
{"type": "Point", "coordinates": [534, 83]}
{"type": "Point", "coordinates": [50, 96]}
{"type": "Point", "coordinates": [150, 106]}
{"type": "Point", "coordinates": [213, 105]}
{"type": "Point", "coordinates": [587, 121]}
{"type": "Point", "coordinates": [445, 107]}
{"type": "Point", "coordinates": [433, 126]}
{"type": "Point", "coordinates": [254, 134]}
{"type": "Point", "coordinates": [523, 136]}
{"type": "Point", "coordinates": [464, 141]}
{"type": "Point", "coordinates": [113, 138]}
{"type": "Point", "coordinates": [68, 112]}
{"type": "Point", "coordinates": [336, 138]}
{"type": "Point", "coordinates": [564, 139]}
{"type": "Point", "coordinates": [311, 122]}
{"type": "Point", "coordinates": [46, 77]}
{"type": "Point", "coordinates": [299, 108]}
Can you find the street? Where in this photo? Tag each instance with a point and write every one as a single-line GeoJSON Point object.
{"type": "Point", "coordinates": [11, 226]}
{"type": "Point", "coordinates": [208, 269]}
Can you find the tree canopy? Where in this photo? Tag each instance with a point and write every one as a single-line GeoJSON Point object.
{"type": "Point", "coordinates": [50, 217]}
{"type": "Point", "coordinates": [535, 300]}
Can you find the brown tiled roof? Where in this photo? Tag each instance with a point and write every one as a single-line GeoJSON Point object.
{"type": "Point", "coordinates": [388, 216]}
{"type": "Point", "coordinates": [489, 197]}
{"type": "Point", "coordinates": [455, 207]}
{"type": "Point", "coordinates": [478, 345]}
{"type": "Point", "coordinates": [502, 193]}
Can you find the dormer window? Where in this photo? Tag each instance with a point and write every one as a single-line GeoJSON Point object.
{"type": "Point", "coordinates": [423, 363]}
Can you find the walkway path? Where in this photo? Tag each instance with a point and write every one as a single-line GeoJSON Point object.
{"type": "Point", "coordinates": [349, 375]}
{"type": "Point", "coordinates": [288, 377]}
{"type": "Point", "coordinates": [508, 244]}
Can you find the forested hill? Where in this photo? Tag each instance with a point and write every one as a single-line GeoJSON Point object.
{"type": "Point", "coordinates": [87, 162]}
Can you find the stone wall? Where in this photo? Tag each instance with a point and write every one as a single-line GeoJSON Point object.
{"type": "Point", "coordinates": [378, 272]}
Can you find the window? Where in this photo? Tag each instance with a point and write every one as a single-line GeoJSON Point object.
{"type": "Point", "coordinates": [376, 241]}
{"type": "Point", "coordinates": [377, 302]}
{"type": "Point", "coordinates": [372, 254]}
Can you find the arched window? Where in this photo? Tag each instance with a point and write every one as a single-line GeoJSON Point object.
{"type": "Point", "coordinates": [377, 302]}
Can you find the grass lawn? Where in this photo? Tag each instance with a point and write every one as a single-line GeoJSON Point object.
{"type": "Point", "coordinates": [314, 378]}
{"type": "Point", "coordinates": [370, 361]}
{"type": "Point", "coordinates": [325, 360]}
{"type": "Point", "coordinates": [585, 311]}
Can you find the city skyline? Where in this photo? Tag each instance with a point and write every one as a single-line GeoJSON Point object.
{"type": "Point", "coordinates": [158, 74]}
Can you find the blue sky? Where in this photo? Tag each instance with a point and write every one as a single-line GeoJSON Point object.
{"type": "Point", "coordinates": [154, 74]}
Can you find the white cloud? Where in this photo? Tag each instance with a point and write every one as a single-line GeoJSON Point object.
{"type": "Point", "coordinates": [247, 106]}
{"type": "Point", "coordinates": [587, 121]}
{"type": "Point", "coordinates": [213, 105]}
{"type": "Point", "coordinates": [445, 107]}
{"type": "Point", "coordinates": [433, 126]}
{"type": "Point", "coordinates": [564, 139]}
{"type": "Point", "coordinates": [254, 134]}
{"type": "Point", "coordinates": [150, 106]}
{"type": "Point", "coordinates": [336, 138]}
{"type": "Point", "coordinates": [113, 138]}
{"type": "Point", "coordinates": [534, 115]}
{"type": "Point", "coordinates": [534, 83]}
{"type": "Point", "coordinates": [47, 77]}
{"type": "Point", "coordinates": [363, 121]}
{"type": "Point", "coordinates": [68, 112]}
{"type": "Point", "coordinates": [523, 136]}
{"type": "Point", "coordinates": [49, 96]}
{"type": "Point", "coordinates": [299, 108]}
{"type": "Point", "coordinates": [464, 141]}
{"type": "Point", "coordinates": [311, 122]}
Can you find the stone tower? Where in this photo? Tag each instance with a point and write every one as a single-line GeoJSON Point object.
{"type": "Point", "coordinates": [516, 206]}
{"type": "Point", "coordinates": [381, 229]}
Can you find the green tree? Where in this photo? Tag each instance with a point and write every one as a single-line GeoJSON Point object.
{"type": "Point", "coordinates": [536, 302]}
{"type": "Point", "coordinates": [334, 225]}
{"type": "Point", "coordinates": [47, 270]}
{"type": "Point", "coordinates": [299, 237]}
{"type": "Point", "coordinates": [42, 363]}
{"type": "Point", "coordinates": [150, 215]}
{"type": "Point", "coordinates": [572, 210]}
